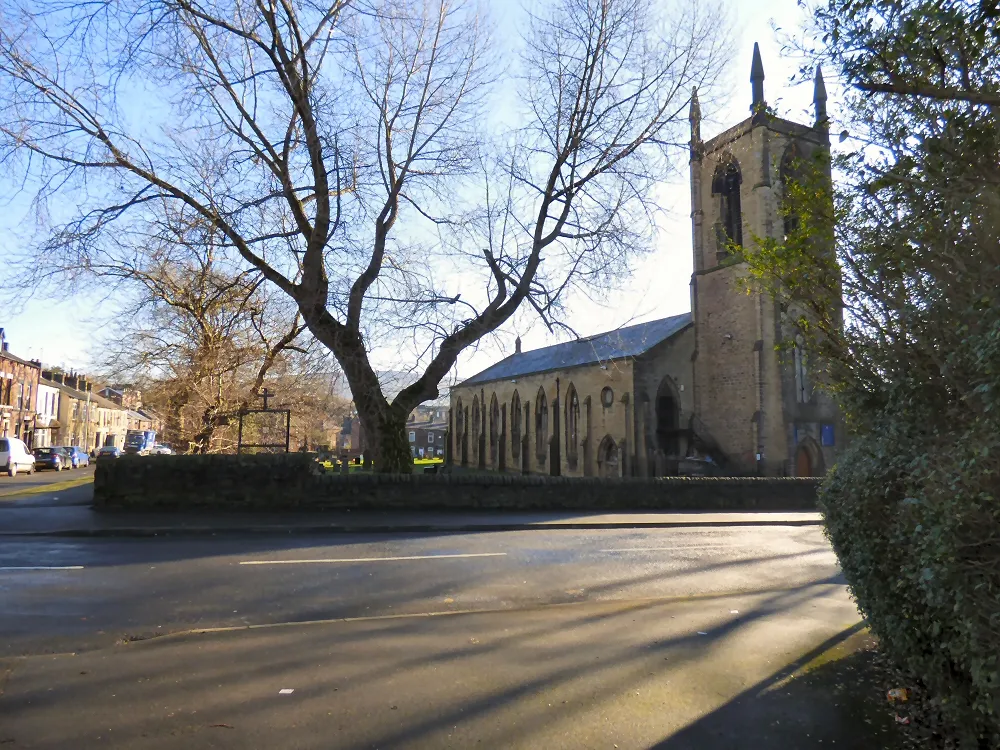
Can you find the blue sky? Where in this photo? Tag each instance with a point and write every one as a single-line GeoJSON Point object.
{"type": "Point", "coordinates": [65, 331]}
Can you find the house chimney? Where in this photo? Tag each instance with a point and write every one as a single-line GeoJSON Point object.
{"type": "Point", "coordinates": [517, 345]}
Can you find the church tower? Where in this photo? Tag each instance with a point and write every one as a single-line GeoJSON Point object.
{"type": "Point", "coordinates": [756, 405]}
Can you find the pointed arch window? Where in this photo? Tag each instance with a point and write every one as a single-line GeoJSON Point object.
{"type": "Point", "coordinates": [791, 171]}
{"type": "Point", "coordinates": [541, 425]}
{"type": "Point", "coordinates": [726, 184]}
{"type": "Point", "coordinates": [476, 417]}
{"type": "Point", "coordinates": [494, 428]}
{"type": "Point", "coordinates": [515, 427]}
{"type": "Point", "coordinates": [803, 389]}
{"type": "Point", "coordinates": [572, 427]}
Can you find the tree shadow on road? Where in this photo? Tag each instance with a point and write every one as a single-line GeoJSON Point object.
{"type": "Point", "coordinates": [830, 697]}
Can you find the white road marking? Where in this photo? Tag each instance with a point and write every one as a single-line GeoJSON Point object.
{"type": "Point", "coordinates": [371, 559]}
{"type": "Point", "coordinates": [42, 567]}
{"type": "Point", "coordinates": [675, 547]}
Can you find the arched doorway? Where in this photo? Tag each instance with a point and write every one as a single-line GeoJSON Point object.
{"type": "Point", "coordinates": [607, 458]}
{"type": "Point", "coordinates": [668, 415]}
{"type": "Point", "coordinates": [809, 459]}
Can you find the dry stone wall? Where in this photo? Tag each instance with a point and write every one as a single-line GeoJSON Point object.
{"type": "Point", "coordinates": [296, 482]}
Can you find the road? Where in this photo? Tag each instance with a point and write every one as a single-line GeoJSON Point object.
{"type": "Point", "coordinates": [40, 480]}
{"type": "Point", "coordinates": [543, 638]}
{"type": "Point", "coordinates": [137, 587]}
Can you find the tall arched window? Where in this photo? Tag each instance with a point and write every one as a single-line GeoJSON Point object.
{"type": "Point", "coordinates": [791, 171]}
{"type": "Point", "coordinates": [458, 440]}
{"type": "Point", "coordinates": [726, 184]}
{"type": "Point", "coordinates": [667, 416]}
{"type": "Point", "coordinates": [515, 428]}
{"type": "Point", "coordinates": [572, 427]}
{"type": "Point", "coordinates": [494, 428]}
{"type": "Point", "coordinates": [803, 389]}
{"type": "Point", "coordinates": [541, 425]}
{"type": "Point", "coordinates": [476, 419]}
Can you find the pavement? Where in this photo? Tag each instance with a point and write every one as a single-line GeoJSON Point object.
{"type": "Point", "coordinates": [674, 676]}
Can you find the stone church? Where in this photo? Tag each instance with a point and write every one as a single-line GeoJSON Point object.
{"type": "Point", "coordinates": [702, 392]}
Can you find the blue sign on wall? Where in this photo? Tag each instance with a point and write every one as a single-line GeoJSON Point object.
{"type": "Point", "coordinates": [826, 432]}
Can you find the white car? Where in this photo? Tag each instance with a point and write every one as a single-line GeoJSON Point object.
{"type": "Point", "coordinates": [160, 450]}
{"type": "Point", "coordinates": [15, 457]}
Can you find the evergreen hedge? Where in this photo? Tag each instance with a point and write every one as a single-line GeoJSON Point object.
{"type": "Point", "coordinates": [913, 514]}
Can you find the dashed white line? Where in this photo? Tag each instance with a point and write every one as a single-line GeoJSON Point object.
{"type": "Point", "coordinates": [41, 567]}
{"type": "Point", "coordinates": [371, 559]}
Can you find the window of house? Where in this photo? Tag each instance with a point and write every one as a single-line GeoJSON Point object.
{"type": "Point", "coordinates": [430, 437]}
{"type": "Point", "coordinates": [20, 395]}
{"type": "Point", "coordinates": [413, 437]}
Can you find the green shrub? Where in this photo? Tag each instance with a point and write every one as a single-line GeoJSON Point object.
{"type": "Point", "coordinates": [912, 511]}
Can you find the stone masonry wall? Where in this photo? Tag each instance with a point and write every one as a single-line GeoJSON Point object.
{"type": "Point", "coordinates": [295, 482]}
{"type": "Point", "coordinates": [596, 421]}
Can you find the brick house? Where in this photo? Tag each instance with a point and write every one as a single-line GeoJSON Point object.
{"type": "Point", "coordinates": [427, 439]}
{"type": "Point", "coordinates": [18, 390]}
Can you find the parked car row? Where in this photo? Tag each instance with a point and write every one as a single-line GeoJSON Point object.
{"type": "Point", "coordinates": [16, 457]}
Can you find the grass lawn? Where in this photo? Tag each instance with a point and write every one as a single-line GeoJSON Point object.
{"type": "Point", "coordinates": [418, 463]}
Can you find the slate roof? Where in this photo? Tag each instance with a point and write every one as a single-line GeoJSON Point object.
{"type": "Point", "coordinates": [621, 342]}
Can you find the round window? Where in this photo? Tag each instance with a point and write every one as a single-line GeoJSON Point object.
{"type": "Point", "coordinates": [607, 396]}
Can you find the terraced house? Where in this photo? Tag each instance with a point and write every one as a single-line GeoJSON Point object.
{"type": "Point", "coordinates": [18, 388]}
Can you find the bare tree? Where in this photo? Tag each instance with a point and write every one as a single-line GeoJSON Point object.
{"type": "Point", "coordinates": [203, 338]}
{"type": "Point", "coordinates": [350, 153]}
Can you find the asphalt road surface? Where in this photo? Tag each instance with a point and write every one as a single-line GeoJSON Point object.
{"type": "Point", "coordinates": [68, 595]}
{"type": "Point", "coordinates": [39, 479]}
{"type": "Point", "coordinates": [670, 638]}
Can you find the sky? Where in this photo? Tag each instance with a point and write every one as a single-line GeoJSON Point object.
{"type": "Point", "coordinates": [65, 331]}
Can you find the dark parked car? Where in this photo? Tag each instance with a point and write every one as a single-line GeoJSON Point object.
{"type": "Point", "coordinates": [78, 456]}
{"type": "Point", "coordinates": [52, 458]}
{"type": "Point", "coordinates": [109, 451]}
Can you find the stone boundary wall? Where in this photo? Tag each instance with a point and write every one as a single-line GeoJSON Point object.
{"type": "Point", "coordinates": [295, 481]}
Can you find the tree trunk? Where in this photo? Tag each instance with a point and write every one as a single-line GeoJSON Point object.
{"type": "Point", "coordinates": [383, 424]}
{"type": "Point", "coordinates": [385, 434]}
